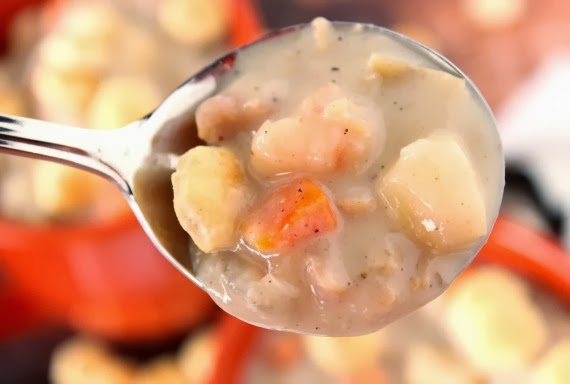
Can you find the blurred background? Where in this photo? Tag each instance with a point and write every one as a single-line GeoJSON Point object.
{"type": "Point", "coordinates": [84, 296]}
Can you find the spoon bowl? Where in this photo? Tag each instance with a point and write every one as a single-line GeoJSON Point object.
{"type": "Point", "coordinates": [141, 157]}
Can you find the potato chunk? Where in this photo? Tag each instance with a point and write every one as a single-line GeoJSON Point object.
{"type": "Point", "coordinates": [161, 370]}
{"type": "Point", "coordinates": [221, 117]}
{"type": "Point", "coordinates": [209, 196]}
{"type": "Point", "coordinates": [197, 356]}
{"type": "Point", "coordinates": [432, 193]}
{"type": "Point", "coordinates": [62, 96]}
{"type": "Point", "coordinates": [121, 100]}
{"type": "Point", "coordinates": [197, 23]}
{"type": "Point", "coordinates": [554, 368]}
{"type": "Point", "coordinates": [295, 212]}
{"type": "Point", "coordinates": [61, 190]}
{"type": "Point", "coordinates": [387, 68]}
{"type": "Point", "coordinates": [494, 322]}
{"type": "Point", "coordinates": [426, 364]}
{"type": "Point", "coordinates": [344, 355]}
{"type": "Point", "coordinates": [88, 362]}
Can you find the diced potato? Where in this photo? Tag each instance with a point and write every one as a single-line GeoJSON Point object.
{"type": "Point", "coordinates": [62, 96]}
{"type": "Point", "coordinates": [293, 213]}
{"type": "Point", "coordinates": [162, 370]}
{"type": "Point", "coordinates": [121, 100]}
{"type": "Point", "coordinates": [210, 196]}
{"type": "Point", "coordinates": [61, 190]}
{"type": "Point", "coordinates": [63, 53]}
{"type": "Point", "coordinates": [387, 68]}
{"type": "Point", "coordinates": [426, 364]}
{"type": "Point", "coordinates": [485, 280]}
{"type": "Point", "coordinates": [197, 357]}
{"type": "Point", "coordinates": [195, 22]}
{"type": "Point", "coordinates": [494, 322]}
{"type": "Point", "coordinates": [554, 368]}
{"type": "Point", "coordinates": [87, 362]}
{"type": "Point", "coordinates": [221, 117]}
{"type": "Point", "coordinates": [90, 23]}
{"type": "Point", "coordinates": [357, 201]}
{"type": "Point", "coordinates": [432, 194]}
{"type": "Point", "coordinates": [344, 355]}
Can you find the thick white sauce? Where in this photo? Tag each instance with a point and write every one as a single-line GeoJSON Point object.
{"type": "Point", "coordinates": [398, 239]}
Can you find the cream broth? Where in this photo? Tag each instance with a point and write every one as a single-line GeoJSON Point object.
{"type": "Point", "coordinates": [348, 178]}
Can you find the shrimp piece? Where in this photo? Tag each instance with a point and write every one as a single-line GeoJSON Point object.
{"type": "Point", "coordinates": [223, 116]}
{"type": "Point", "coordinates": [331, 134]}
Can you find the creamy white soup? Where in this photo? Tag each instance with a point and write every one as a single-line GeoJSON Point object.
{"type": "Point", "coordinates": [347, 177]}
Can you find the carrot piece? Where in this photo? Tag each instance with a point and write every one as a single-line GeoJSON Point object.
{"type": "Point", "coordinates": [297, 211]}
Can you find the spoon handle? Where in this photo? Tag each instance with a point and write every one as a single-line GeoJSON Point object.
{"type": "Point", "coordinates": [77, 147]}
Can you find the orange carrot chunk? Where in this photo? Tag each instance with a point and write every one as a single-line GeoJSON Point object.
{"type": "Point", "coordinates": [295, 212]}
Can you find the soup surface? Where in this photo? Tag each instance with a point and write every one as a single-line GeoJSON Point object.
{"type": "Point", "coordinates": [348, 177]}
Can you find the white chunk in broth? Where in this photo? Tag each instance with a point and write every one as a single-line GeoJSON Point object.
{"type": "Point", "coordinates": [210, 194]}
{"type": "Point", "coordinates": [433, 194]}
{"type": "Point", "coordinates": [348, 181]}
{"type": "Point", "coordinates": [331, 133]}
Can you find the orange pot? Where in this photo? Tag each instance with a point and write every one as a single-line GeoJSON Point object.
{"type": "Point", "coordinates": [107, 278]}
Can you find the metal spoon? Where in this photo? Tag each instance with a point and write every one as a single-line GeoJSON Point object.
{"type": "Point", "coordinates": [140, 157]}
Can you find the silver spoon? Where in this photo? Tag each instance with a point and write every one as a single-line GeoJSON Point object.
{"type": "Point", "coordinates": [140, 157]}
